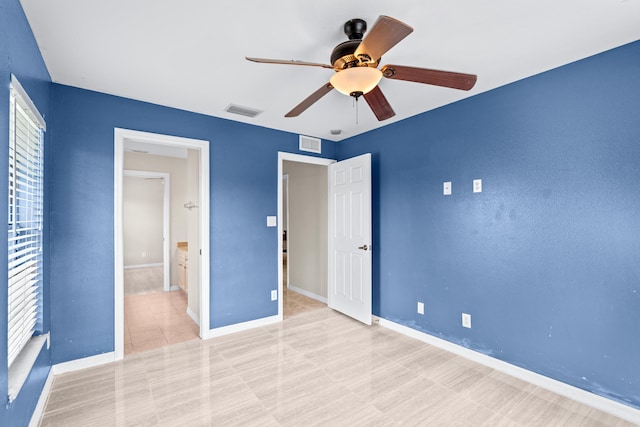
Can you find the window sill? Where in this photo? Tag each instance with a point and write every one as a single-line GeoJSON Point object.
{"type": "Point", "coordinates": [21, 367]}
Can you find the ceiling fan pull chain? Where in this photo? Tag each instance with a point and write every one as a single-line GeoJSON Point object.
{"type": "Point", "coordinates": [355, 102]}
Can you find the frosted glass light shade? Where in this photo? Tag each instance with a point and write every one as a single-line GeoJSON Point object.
{"type": "Point", "coordinates": [356, 79]}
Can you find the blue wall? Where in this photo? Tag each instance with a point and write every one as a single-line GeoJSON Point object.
{"type": "Point", "coordinates": [547, 258]}
{"type": "Point", "coordinates": [19, 55]}
{"type": "Point", "coordinates": [243, 161]}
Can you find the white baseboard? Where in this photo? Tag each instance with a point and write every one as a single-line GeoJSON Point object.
{"type": "Point", "coordinates": [193, 316]}
{"type": "Point", "coordinates": [595, 401]}
{"type": "Point", "coordinates": [36, 417]}
{"type": "Point", "coordinates": [87, 362]}
{"type": "Point", "coordinates": [307, 293]}
{"type": "Point", "coordinates": [129, 267]}
{"type": "Point", "coordinates": [238, 327]}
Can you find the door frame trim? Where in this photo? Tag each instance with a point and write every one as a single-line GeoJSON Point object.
{"type": "Point", "coordinates": [285, 184]}
{"type": "Point", "coordinates": [300, 158]}
{"type": "Point", "coordinates": [120, 135]}
{"type": "Point", "coordinates": [166, 219]}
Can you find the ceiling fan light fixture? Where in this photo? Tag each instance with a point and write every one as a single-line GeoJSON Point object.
{"type": "Point", "coordinates": [356, 80]}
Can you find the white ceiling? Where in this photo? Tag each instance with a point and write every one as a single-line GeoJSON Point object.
{"type": "Point", "coordinates": [189, 54]}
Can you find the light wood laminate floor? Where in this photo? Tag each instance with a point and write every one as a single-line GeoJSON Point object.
{"type": "Point", "coordinates": [316, 368]}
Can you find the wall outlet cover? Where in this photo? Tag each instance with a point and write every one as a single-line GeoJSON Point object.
{"type": "Point", "coordinates": [420, 307]}
{"type": "Point", "coordinates": [446, 188]}
{"type": "Point", "coordinates": [272, 221]}
{"type": "Point", "coordinates": [274, 295]}
{"type": "Point", "coordinates": [466, 320]}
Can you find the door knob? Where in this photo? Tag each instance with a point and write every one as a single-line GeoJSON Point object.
{"type": "Point", "coordinates": [363, 247]}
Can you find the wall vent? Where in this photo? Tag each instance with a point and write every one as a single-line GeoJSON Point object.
{"type": "Point", "coordinates": [243, 111]}
{"type": "Point", "coordinates": [312, 145]}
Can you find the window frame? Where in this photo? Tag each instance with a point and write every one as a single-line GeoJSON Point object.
{"type": "Point", "coordinates": [24, 237]}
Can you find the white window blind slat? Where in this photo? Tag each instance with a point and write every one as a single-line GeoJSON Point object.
{"type": "Point", "coordinates": [21, 279]}
{"type": "Point", "coordinates": [18, 245]}
{"type": "Point", "coordinates": [28, 284]}
{"type": "Point", "coordinates": [25, 221]}
{"type": "Point", "coordinates": [22, 314]}
{"type": "Point", "coordinates": [24, 319]}
{"type": "Point", "coordinates": [14, 263]}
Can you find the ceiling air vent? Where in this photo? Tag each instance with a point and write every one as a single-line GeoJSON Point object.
{"type": "Point", "coordinates": [313, 145]}
{"type": "Point", "coordinates": [243, 111]}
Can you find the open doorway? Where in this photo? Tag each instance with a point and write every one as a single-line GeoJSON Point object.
{"type": "Point", "coordinates": [348, 236]}
{"type": "Point", "coordinates": [302, 229]}
{"type": "Point", "coordinates": [188, 237]}
{"type": "Point", "coordinates": [155, 229]}
{"type": "Point", "coordinates": [146, 234]}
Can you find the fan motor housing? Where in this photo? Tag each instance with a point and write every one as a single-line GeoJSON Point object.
{"type": "Point", "coordinates": [342, 56]}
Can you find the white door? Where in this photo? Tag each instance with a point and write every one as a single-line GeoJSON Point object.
{"type": "Point", "coordinates": [350, 237]}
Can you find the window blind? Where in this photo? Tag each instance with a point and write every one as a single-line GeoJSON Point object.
{"type": "Point", "coordinates": [25, 221]}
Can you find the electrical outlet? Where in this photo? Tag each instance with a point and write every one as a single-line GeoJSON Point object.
{"type": "Point", "coordinates": [420, 307]}
{"type": "Point", "coordinates": [446, 188]}
{"type": "Point", "coordinates": [477, 186]}
{"type": "Point", "coordinates": [274, 295]}
{"type": "Point", "coordinates": [466, 320]}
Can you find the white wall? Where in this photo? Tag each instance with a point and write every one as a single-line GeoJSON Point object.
{"type": "Point", "coordinates": [307, 233]}
{"type": "Point", "coordinates": [177, 169]}
{"type": "Point", "coordinates": [142, 210]}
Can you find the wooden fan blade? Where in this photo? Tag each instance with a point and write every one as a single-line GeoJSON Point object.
{"type": "Point", "coordinates": [287, 62]}
{"type": "Point", "coordinates": [310, 100]}
{"type": "Point", "coordinates": [379, 104]}
{"type": "Point", "coordinates": [385, 34]}
{"type": "Point", "coordinates": [431, 77]}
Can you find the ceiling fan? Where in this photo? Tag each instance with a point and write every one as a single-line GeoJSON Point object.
{"type": "Point", "coordinates": [356, 61]}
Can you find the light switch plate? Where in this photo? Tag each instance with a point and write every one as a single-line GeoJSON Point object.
{"type": "Point", "coordinates": [420, 307]}
{"type": "Point", "coordinates": [274, 294]}
{"type": "Point", "coordinates": [477, 186]}
{"type": "Point", "coordinates": [446, 188]}
{"type": "Point", "coordinates": [272, 221]}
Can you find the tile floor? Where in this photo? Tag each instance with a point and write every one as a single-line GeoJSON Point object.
{"type": "Point", "coordinates": [316, 368]}
{"type": "Point", "coordinates": [143, 280]}
{"type": "Point", "coordinates": [154, 320]}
